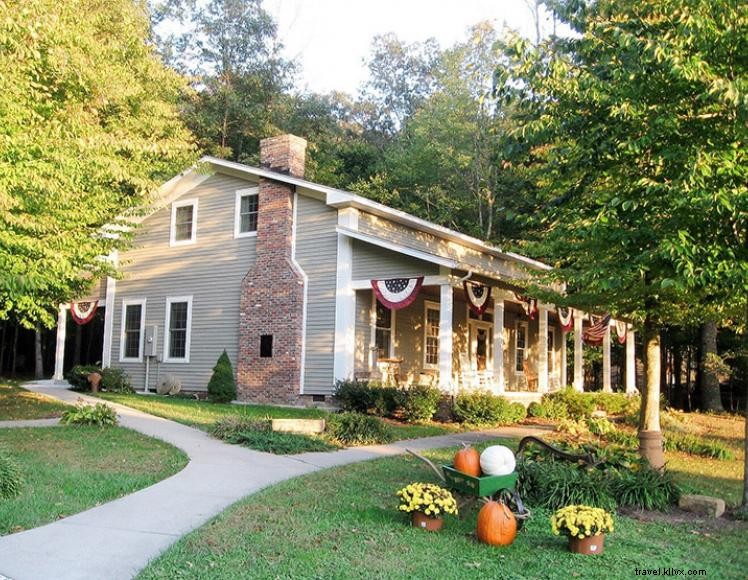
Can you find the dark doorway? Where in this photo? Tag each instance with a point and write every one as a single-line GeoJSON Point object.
{"type": "Point", "coordinates": [84, 343]}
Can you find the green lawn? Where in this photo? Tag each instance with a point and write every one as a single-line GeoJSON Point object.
{"type": "Point", "coordinates": [69, 469]}
{"type": "Point", "coordinates": [343, 523]}
{"type": "Point", "coordinates": [18, 403]}
{"type": "Point", "coordinates": [202, 414]}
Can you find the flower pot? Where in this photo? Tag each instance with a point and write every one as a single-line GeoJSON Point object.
{"type": "Point", "coordinates": [588, 545]}
{"type": "Point", "coordinates": [421, 520]}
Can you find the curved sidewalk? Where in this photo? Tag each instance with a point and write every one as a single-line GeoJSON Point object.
{"type": "Point", "coordinates": [118, 539]}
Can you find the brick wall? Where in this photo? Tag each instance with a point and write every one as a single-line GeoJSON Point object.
{"type": "Point", "coordinates": [272, 299]}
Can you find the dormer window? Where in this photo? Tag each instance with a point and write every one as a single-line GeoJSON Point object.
{"type": "Point", "coordinates": [183, 222]}
{"type": "Point", "coordinates": [247, 206]}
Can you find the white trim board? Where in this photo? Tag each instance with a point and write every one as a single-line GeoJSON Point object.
{"type": "Point", "coordinates": [240, 193]}
{"type": "Point", "coordinates": [167, 332]}
{"type": "Point", "coordinates": [123, 314]}
{"type": "Point", "coordinates": [172, 227]}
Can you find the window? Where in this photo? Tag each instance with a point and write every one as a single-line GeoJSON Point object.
{"type": "Point", "coordinates": [133, 324]}
{"type": "Point", "coordinates": [551, 354]}
{"type": "Point", "coordinates": [183, 222]}
{"type": "Point", "coordinates": [247, 205]}
{"type": "Point", "coordinates": [266, 346]}
{"type": "Point", "coordinates": [520, 346]}
{"type": "Point", "coordinates": [383, 331]}
{"type": "Point", "coordinates": [431, 341]}
{"type": "Point", "coordinates": [178, 329]}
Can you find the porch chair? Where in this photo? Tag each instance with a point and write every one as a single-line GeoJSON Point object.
{"type": "Point", "coordinates": [530, 376]}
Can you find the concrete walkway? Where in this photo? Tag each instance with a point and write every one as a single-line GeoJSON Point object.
{"type": "Point", "coordinates": [21, 423]}
{"type": "Point", "coordinates": [118, 539]}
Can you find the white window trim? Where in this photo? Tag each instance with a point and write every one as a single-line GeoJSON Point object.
{"type": "Point", "coordinates": [518, 324]}
{"type": "Point", "coordinates": [373, 330]}
{"type": "Point", "coordinates": [428, 305]}
{"type": "Point", "coordinates": [553, 366]}
{"type": "Point", "coordinates": [125, 303]}
{"type": "Point", "coordinates": [167, 332]}
{"type": "Point", "coordinates": [237, 212]}
{"type": "Point", "coordinates": [172, 230]}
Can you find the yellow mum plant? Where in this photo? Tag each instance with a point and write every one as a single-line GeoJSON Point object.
{"type": "Point", "coordinates": [581, 521]}
{"type": "Point", "coordinates": [427, 498]}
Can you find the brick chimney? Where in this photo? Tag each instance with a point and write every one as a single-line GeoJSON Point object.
{"type": "Point", "coordinates": [272, 298]}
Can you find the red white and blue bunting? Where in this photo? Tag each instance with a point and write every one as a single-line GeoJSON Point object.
{"type": "Point", "coordinates": [83, 312]}
{"type": "Point", "coordinates": [477, 296]}
{"type": "Point", "coordinates": [595, 333]}
{"type": "Point", "coordinates": [566, 318]}
{"type": "Point", "coordinates": [529, 305]}
{"type": "Point", "coordinates": [397, 293]}
{"type": "Point", "coordinates": [621, 328]}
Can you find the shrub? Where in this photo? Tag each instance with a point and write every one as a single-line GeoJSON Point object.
{"type": "Point", "coordinates": [611, 403]}
{"type": "Point", "coordinates": [548, 409]}
{"type": "Point", "coordinates": [353, 395]}
{"type": "Point", "coordinates": [534, 409]}
{"type": "Point", "coordinates": [645, 488]}
{"type": "Point", "coordinates": [78, 376]}
{"type": "Point", "coordinates": [480, 407]}
{"type": "Point", "coordinates": [222, 386]}
{"type": "Point", "coordinates": [517, 412]}
{"type": "Point", "coordinates": [419, 402]}
{"type": "Point", "coordinates": [116, 380]}
{"type": "Point", "coordinates": [100, 415]}
{"type": "Point", "coordinates": [384, 401]}
{"type": "Point", "coordinates": [10, 476]}
{"type": "Point", "coordinates": [554, 484]}
{"type": "Point", "coordinates": [228, 428]}
{"type": "Point", "coordinates": [358, 429]}
{"type": "Point", "coordinates": [578, 405]}
{"type": "Point", "coordinates": [281, 443]}
{"type": "Point", "coordinates": [600, 426]}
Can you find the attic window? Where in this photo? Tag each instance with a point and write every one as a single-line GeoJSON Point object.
{"type": "Point", "coordinates": [183, 222]}
{"type": "Point", "coordinates": [266, 346]}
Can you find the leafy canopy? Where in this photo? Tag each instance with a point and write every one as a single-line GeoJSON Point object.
{"type": "Point", "coordinates": [638, 124]}
{"type": "Point", "coordinates": [88, 126]}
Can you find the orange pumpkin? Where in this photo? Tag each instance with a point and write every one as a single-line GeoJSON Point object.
{"type": "Point", "coordinates": [497, 525]}
{"type": "Point", "coordinates": [467, 460]}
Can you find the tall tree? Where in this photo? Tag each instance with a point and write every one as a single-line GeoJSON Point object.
{"type": "Point", "coordinates": [711, 399]}
{"type": "Point", "coordinates": [231, 51]}
{"type": "Point", "coordinates": [640, 121]}
{"type": "Point", "coordinates": [89, 127]}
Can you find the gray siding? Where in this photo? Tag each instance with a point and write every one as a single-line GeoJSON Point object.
{"type": "Point", "coordinates": [316, 253]}
{"type": "Point", "coordinates": [374, 262]}
{"type": "Point", "coordinates": [211, 271]}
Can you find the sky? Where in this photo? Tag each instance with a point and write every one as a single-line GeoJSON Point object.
{"type": "Point", "coordinates": [332, 38]}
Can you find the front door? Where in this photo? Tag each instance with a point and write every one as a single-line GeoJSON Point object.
{"type": "Point", "coordinates": [481, 345]}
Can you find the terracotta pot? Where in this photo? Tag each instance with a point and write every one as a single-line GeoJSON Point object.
{"type": "Point", "coordinates": [94, 379]}
{"type": "Point", "coordinates": [420, 520]}
{"type": "Point", "coordinates": [589, 545]}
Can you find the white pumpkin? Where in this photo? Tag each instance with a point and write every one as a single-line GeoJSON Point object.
{"type": "Point", "coordinates": [497, 460]}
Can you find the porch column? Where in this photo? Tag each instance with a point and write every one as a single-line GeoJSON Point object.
{"type": "Point", "coordinates": [106, 355]}
{"type": "Point", "coordinates": [445, 337]}
{"type": "Point", "coordinates": [630, 362]}
{"type": "Point", "coordinates": [563, 359]}
{"type": "Point", "coordinates": [606, 361]}
{"type": "Point", "coordinates": [543, 382]}
{"type": "Point", "coordinates": [345, 301]}
{"type": "Point", "coordinates": [60, 347]}
{"type": "Point", "coordinates": [578, 355]}
{"type": "Point", "coordinates": [498, 339]}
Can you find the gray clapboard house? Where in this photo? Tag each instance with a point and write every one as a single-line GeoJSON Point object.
{"type": "Point", "coordinates": [278, 271]}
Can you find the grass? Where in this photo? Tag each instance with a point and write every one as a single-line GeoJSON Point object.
{"type": "Point", "coordinates": [344, 523]}
{"type": "Point", "coordinates": [202, 414]}
{"type": "Point", "coordinates": [16, 403]}
{"type": "Point", "coordinates": [69, 469]}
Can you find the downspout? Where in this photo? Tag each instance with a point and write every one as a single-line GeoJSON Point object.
{"type": "Point", "coordinates": [306, 287]}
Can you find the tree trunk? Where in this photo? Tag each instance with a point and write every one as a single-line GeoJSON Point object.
{"type": "Point", "coordinates": [711, 400]}
{"type": "Point", "coordinates": [78, 344]}
{"type": "Point", "coordinates": [650, 436]}
{"type": "Point", "coordinates": [38, 358]}
{"type": "Point", "coordinates": [14, 354]}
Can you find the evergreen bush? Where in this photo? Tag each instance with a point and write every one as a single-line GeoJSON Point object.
{"type": "Point", "coordinates": [419, 402]}
{"type": "Point", "coordinates": [358, 429]}
{"type": "Point", "coordinates": [222, 386]}
{"type": "Point", "coordinates": [116, 380]}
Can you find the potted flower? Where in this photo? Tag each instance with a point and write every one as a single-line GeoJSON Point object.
{"type": "Point", "coordinates": [584, 525]}
{"type": "Point", "coordinates": [427, 503]}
